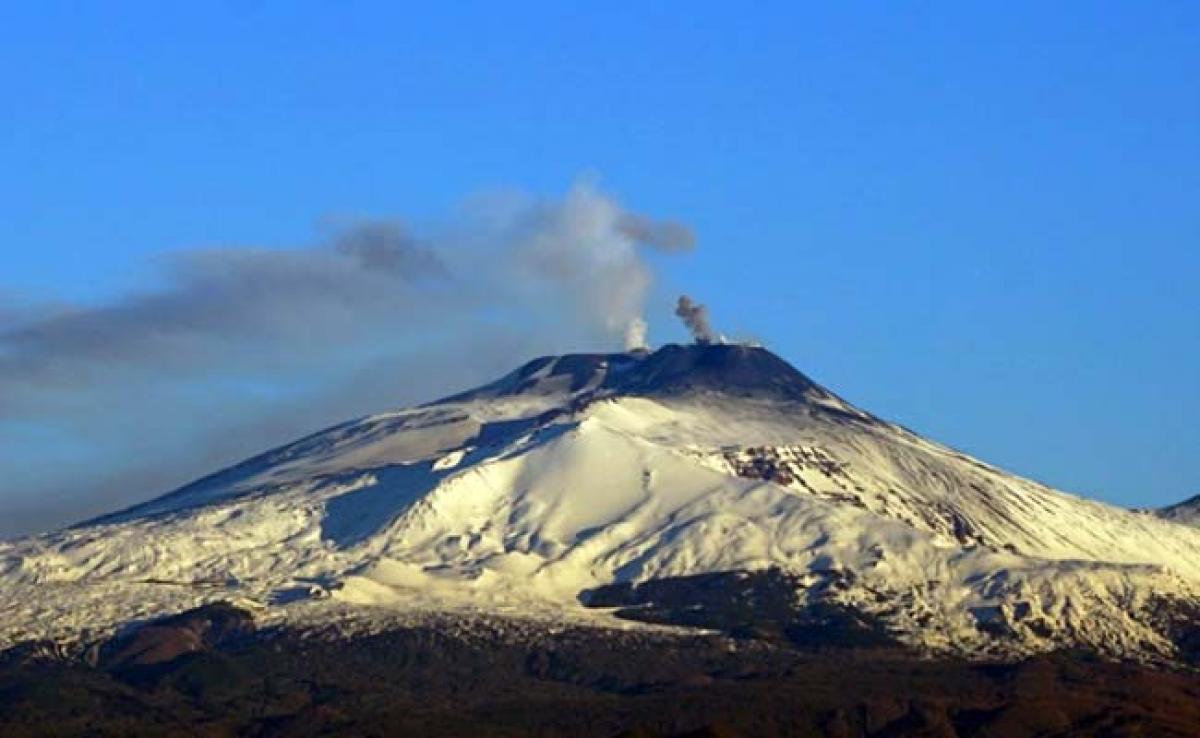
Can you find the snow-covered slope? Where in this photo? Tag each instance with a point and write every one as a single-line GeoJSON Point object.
{"type": "Point", "coordinates": [1186, 512]}
{"type": "Point", "coordinates": [579, 471]}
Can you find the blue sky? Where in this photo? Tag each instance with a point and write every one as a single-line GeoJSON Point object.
{"type": "Point", "coordinates": [977, 219]}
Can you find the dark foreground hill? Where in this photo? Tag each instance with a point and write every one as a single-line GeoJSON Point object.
{"type": "Point", "coordinates": [211, 674]}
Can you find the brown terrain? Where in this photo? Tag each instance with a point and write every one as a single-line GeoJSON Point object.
{"type": "Point", "coordinates": [210, 673]}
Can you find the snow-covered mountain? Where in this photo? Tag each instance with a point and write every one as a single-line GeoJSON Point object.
{"type": "Point", "coordinates": [530, 494]}
{"type": "Point", "coordinates": [1187, 512]}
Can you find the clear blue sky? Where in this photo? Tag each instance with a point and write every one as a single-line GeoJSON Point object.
{"type": "Point", "coordinates": [979, 219]}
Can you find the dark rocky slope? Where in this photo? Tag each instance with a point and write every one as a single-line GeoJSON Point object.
{"type": "Point", "coordinates": [504, 678]}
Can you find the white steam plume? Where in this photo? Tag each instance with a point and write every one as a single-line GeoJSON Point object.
{"type": "Point", "coordinates": [588, 248]}
{"type": "Point", "coordinates": [635, 335]}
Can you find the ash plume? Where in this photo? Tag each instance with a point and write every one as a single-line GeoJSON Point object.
{"type": "Point", "coordinates": [666, 235]}
{"type": "Point", "coordinates": [373, 314]}
{"type": "Point", "coordinates": [589, 248]}
{"type": "Point", "coordinates": [695, 317]}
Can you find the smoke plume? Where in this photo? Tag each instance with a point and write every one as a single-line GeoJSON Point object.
{"type": "Point", "coordinates": [237, 349]}
{"type": "Point", "coordinates": [635, 335]}
{"type": "Point", "coordinates": [695, 317]}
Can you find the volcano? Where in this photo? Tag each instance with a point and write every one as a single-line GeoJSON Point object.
{"type": "Point", "coordinates": [706, 486]}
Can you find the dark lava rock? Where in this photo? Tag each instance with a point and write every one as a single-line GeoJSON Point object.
{"type": "Point", "coordinates": [731, 369]}
{"type": "Point", "coordinates": [164, 640]}
{"type": "Point", "coordinates": [744, 604]}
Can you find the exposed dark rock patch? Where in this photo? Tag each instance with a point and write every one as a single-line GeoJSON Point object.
{"type": "Point", "coordinates": [763, 604]}
{"type": "Point", "coordinates": [1180, 621]}
{"type": "Point", "coordinates": [160, 641]}
{"type": "Point", "coordinates": [732, 369]}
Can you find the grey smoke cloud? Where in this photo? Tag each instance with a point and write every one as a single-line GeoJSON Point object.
{"type": "Point", "coordinates": [238, 349]}
{"type": "Point", "coordinates": [387, 247]}
{"type": "Point", "coordinates": [695, 317]}
{"type": "Point", "coordinates": [246, 302]}
{"type": "Point", "coordinates": [663, 234]}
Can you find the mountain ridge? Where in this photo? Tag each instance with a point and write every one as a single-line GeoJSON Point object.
{"type": "Point", "coordinates": [1186, 511]}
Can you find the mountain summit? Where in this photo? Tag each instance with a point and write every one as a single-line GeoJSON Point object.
{"type": "Point", "coordinates": [736, 370]}
{"type": "Point", "coordinates": [711, 485]}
